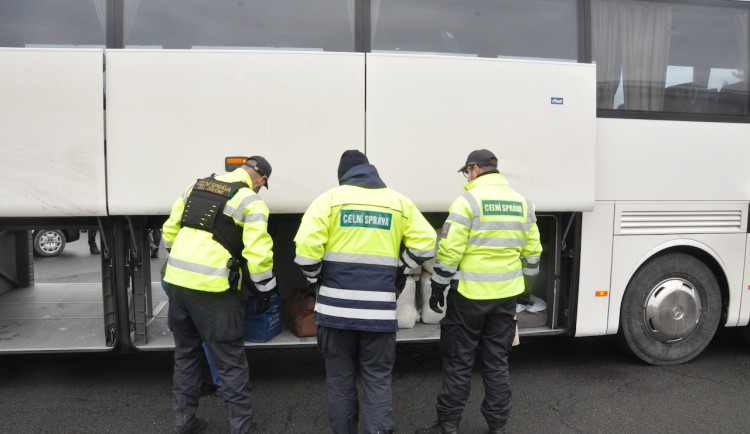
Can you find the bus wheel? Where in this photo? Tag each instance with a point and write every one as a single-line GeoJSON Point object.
{"type": "Point", "coordinates": [670, 310]}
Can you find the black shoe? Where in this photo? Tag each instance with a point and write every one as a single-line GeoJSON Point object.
{"type": "Point", "coordinates": [95, 251]}
{"type": "Point", "coordinates": [496, 431]}
{"type": "Point", "coordinates": [199, 424]}
{"type": "Point", "coordinates": [440, 427]}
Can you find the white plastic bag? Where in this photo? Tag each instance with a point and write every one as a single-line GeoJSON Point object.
{"type": "Point", "coordinates": [406, 307]}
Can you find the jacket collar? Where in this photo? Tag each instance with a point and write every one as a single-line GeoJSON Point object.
{"type": "Point", "coordinates": [363, 175]}
{"type": "Point", "coordinates": [493, 178]}
{"type": "Point", "coordinates": [238, 174]}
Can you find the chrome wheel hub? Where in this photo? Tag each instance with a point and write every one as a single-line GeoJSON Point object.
{"type": "Point", "coordinates": [672, 310]}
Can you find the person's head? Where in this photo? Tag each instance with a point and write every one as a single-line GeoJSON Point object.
{"type": "Point", "coordinates": [478, 162]}
{"type": "Point", "coordinates": [349, 159]}
{"type": "Point", "coordinates": [259, 170]}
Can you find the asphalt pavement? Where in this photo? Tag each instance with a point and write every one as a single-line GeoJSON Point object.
{"type": "Point", "coordinates": [560, 385]}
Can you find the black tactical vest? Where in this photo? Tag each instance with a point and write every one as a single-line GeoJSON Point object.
{"type": "Point", "coordinates": [204, 210]}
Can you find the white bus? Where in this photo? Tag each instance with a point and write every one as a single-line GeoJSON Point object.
{"type": "Point", "coordinates": [625, 122]}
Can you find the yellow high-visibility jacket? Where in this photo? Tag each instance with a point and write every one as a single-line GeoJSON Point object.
{"type": "Point", "coordinates": [350, 237]}
{"type": "Point", "coordinates": [489, 241]}
{"type": "Point", "coordinates": [197, 261]}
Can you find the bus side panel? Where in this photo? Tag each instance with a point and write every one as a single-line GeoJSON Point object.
{"type": "Point", "coordinates": [630, 252]}
{"type": "Point", "coordinates": [52, 133]}
{"type": "Point", "coordinates": [744, 316]}
{"type": "Point", "coordinates": [671, 160]}
{"type": "Point", "coordinates": [173, 115]}
{"type": "Point", "coordinates": [426, 113]}
{"type": "Point", "coordinates": [596, 264]}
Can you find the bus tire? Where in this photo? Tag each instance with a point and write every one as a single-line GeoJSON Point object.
{"type": "Point", "coordinates": [671, 309]}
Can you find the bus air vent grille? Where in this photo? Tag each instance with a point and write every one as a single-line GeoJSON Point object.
{"type": "Point", "coordinates": [681, 222]}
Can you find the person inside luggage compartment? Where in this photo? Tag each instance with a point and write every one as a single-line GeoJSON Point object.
{"type": "Point", "coordinates": [348, 247]}
{"type": "Point", "coordinates": [488, 253]}
{"type": "Point", "coordinates": [219, 250]}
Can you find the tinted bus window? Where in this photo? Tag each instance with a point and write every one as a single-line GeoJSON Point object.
{"type": "Point", "coordinates": [673, 58]}
{"type": "Point", "coordinates": [52, 23]}
{"type": "Point", "coordinates": [286, 24]}
{"type": "Point", "coordinates": [536, 29]}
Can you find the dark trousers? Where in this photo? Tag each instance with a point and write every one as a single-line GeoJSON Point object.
{"type": "Point", "coordinates": [489, 324]}
{"type": "Point", "coordinates": [91, 233]}
{"type": "Point", "coordinates": [156, 235]}
{"type": "Point", "coordinates": [375, 353]}
{"type": "Point", "coordinates": [216, 319]}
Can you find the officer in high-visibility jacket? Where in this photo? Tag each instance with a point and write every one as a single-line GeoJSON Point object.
{"type": "Point", "coordinates": [219, 249]}
{"type": "Point", "coordinates": [488, 253]}
{"type": "Point", "coordinates": [348, 243]}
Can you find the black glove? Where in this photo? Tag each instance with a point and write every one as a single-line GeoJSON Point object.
{"type": "Point", "coordinates": [264, 300]}
{"type": "Point", "coordinates": [528, 283]}
{"type": "Point", "coordinates": [400, 283]}
{"type": "Point", "coordinates": [312, 286]}
{"type": "Point", "coordinates": [438, 296]}
{"type": "Point", "coordinates": [524, 298]}
{"type": "Point", "coordinates": [263, 303]}
{"type": "Point", "coordinates": [400, 279]}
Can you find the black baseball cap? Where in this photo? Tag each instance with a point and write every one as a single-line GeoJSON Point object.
{"type": "Point", "coordinates": [261, 166]}
{"type": "Point", "coordinates": [480, 157]}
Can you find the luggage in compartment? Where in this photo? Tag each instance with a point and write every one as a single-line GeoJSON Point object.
{"type": "Point", "coordinates": [533, 314]}
{"type": "Point", "coordinates": [298, 314]}
{"type": "Point", "coordinates": [406, 307]}
{"type": "Point", "coordinates": [262, 327]}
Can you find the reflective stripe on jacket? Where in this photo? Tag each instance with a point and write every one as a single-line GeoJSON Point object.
{"type": "Point", "coordinates": [198, 262]}
{"type": "Point", "coordinates": [489, 241]}
{"type": "Point", "coordinates": [351, 235]}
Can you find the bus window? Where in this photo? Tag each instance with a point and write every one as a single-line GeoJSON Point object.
{"type": "Point", "coordinates": [674, 58]}
{"type": "Point", "coordinates": [538, 29]}
{"type": "Point", "coordinates": [280, 24]}
{"type": "Point", "coordinates": [52, 23]}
